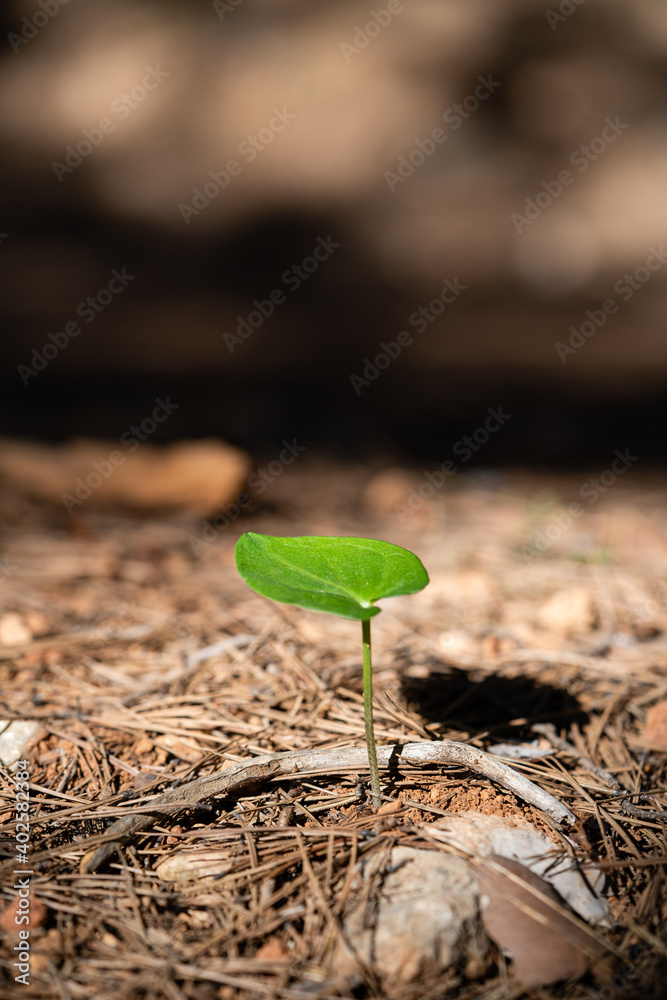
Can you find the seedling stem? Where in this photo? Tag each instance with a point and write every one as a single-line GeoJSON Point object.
{"type": "Point", "coordinates": [368, 712]}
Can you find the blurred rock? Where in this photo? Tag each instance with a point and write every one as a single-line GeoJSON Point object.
{"type": "Point", "coordinates": [13, 630]}
{"type": "Point", "coordinates": [194, 476]}
{"type": "Point", "coordinates": [568, 612]}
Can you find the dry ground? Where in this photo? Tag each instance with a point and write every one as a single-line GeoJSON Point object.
{"type": "Point", "coordinates": [573, 638]}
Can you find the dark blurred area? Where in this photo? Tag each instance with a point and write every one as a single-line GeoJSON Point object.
{"type": "Point", "coordinates": [243, 205]}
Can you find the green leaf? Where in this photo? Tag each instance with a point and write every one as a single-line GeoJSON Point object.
{"type": "Point", "coordinates": [344, 576]}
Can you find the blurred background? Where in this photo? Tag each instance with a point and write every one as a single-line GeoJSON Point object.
{"type": "Point", "coordinates": [235, 205]}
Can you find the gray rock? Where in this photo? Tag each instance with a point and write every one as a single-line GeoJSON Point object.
{"type": "Point", "coordinates": [423, 918]}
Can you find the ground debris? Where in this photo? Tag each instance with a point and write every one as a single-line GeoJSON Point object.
{"type": "Point", "coordinates": [146, 667]}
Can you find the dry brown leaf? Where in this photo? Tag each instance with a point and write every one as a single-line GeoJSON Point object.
{"type": "Point", "coordinates": [655, 730]}
{"type": "Point", "coordinates": [38, 913]}
{"type": "Point", "coordinates": [527, 920]}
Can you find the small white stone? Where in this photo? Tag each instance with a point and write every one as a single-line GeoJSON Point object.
{"type": "Point", "coordinates": [13, 737]}
{"type": "Point", "coordinates": [13, 630]}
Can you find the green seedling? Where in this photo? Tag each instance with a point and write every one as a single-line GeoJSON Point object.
{"type": "Point", "coordinates": [343, 576]}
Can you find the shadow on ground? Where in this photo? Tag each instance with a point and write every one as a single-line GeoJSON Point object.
{"type": "Point", "coordinates": [503, 706]}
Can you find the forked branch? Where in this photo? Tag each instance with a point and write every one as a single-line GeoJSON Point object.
{"type": "Point", "coordinates": [238, 778]}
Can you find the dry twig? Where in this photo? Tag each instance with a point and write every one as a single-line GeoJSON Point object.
{"type": "Point", "coordinates": [239, 777]}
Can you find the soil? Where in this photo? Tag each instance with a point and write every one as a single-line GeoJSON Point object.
{"type": "Point", "coordinates": [537, 629]}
